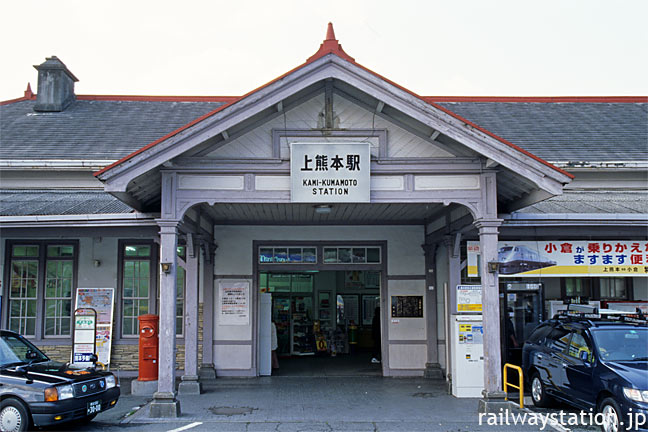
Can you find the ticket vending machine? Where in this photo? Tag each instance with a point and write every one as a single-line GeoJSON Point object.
{"type": "Point", "coordinates": [467, 356]}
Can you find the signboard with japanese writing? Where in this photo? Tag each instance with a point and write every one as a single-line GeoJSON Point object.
{"type": "Point", "coordinates": [234, 303]}
{"type": "Point", "coordinates": [469, 298]}
{"type": "Point", "coordinates": [566, 258]}
{"type": "Point", "coordinates": [83, 347]}
{"type": "Point", "coordinates": [329, 173]}
{"type": "Point", "coordinates": [471, 334]}
{"type": "Point", "coordinates": [102, 301]}
{"type": "Point", "coordinates": [407, 306]}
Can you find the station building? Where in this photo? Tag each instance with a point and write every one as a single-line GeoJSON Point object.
{"type": "Point", "coordinates": [315, 201]}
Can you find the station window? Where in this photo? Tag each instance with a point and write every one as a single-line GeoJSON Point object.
{"type": "Point", "coordinates": [287, 255]}
{"type": "Point", "coordinates": [352, 255]}
{"type": "Point", "coordinates": [137, 277]}
{"type": "Point", "coordinates": [286, 283]}
{"type": "Point", "coordinates": [139, 282]}
{"type": "Point", "coordinates": [32, 290]}
{"type": "Point", "coordinates": [578, 287]}
{"type": "Point", "coordinates": [59, 273]}
{"type": "Point", "coordinates": [613, 289]}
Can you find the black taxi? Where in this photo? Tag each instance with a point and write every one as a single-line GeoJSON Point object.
{"type": "Point", "coordinates": [36, 391]}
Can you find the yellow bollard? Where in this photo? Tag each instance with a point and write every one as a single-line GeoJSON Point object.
{"type": "Point", "coordinates": [521, 382]}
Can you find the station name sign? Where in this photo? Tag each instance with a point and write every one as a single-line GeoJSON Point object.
{"type": "Point", "coordinates": [329, 173]}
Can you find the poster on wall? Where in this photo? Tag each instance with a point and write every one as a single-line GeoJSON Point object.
{"type": "Point", "coordinates": [558, 258]}
{"type": "Point", "coordinates": [102, 301]}
{"type": "Point", "coordinates": [354, 279]}
{"type": "Point", "coordinates": [234, 303]}
{"type": "Point", "coordinates": [469, 298]}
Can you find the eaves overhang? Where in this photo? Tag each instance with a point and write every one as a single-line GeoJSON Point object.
{"type": "Point", "coordinates": [333, 63]}
{"type": "Point", "coordinates": [574, 219]}
{"type": "Point", "coordinates": [78, 221]}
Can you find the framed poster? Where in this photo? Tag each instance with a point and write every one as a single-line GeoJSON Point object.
{"type": "Point", "coordinates": [234, 303]}
{"type": "Point", "coordinates": [408, 306]}
{"type": "Point", "coordinates": [102, 301]}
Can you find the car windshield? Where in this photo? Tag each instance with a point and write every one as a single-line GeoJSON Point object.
{"type": "Point", "coordinates": [622, 344]}
{"type": "Point", "coordinates": [16, 351]}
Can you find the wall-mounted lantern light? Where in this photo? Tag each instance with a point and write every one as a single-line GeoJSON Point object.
{"type": "Point", "coordinates": [166, 267]}
{"type": "Point", "coordinates": [493, 266]}
{"type": "Point", "coordinates": [323, 209]}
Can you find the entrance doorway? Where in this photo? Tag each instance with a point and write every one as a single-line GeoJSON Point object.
{"type": "Point", "coordinates": [522, 307]}
{"type": "Point", "coordinates": [325, 322]}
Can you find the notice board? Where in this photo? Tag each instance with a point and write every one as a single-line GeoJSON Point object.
{"type": "Point", "coordinates": [102, 301]}
{"type": "Point", "coordinates": [234, 303]}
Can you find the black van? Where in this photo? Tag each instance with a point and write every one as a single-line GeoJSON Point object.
{"type": "Point", "coordinates": [35, 391]}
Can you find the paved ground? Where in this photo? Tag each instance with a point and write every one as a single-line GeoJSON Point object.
{"type": "Point", "coordinates": [307, 404]}
{"type": "Point", "coordinates": [340, 366]}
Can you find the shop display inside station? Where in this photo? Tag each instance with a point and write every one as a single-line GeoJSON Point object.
{"type": "Point", "coordinates": [328, 313]}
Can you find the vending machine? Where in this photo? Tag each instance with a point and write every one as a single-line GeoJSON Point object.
{"type": "Point", "coordinates": [467, 356]}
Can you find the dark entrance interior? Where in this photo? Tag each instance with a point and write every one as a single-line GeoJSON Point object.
{"type": "Point", "coordinates": [522, 309]}
{"type": "Point", "coordinates": [324, 322]}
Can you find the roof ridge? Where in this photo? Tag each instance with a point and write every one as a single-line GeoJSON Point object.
{"type": "Point", "coordinates": [29, 95]}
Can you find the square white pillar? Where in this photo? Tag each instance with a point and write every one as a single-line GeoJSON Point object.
{"type": "Point", "coordinates": [164, 402]}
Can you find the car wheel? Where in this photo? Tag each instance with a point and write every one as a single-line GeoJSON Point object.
{"type": "Point", "coordinates": [612, 420]}
{"type": "Point", "coordinates": [14, 416]}
{"type": "Point", "coordinates": [539, 394]}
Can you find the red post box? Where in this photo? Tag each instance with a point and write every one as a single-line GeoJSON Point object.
{"type": "Point", "coordinates": [148, 347]}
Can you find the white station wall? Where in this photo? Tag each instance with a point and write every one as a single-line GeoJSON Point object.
{"type": "Point", "coordinates": [407, 336]}
{"type": "Point", "coordinates": [234, 261]}
{"type": "Point", "coordinates": [234, 254]}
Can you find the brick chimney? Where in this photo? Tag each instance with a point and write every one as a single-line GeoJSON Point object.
{"type": "Point", "coordinates": [55, 86]}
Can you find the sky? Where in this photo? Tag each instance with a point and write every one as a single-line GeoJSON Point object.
{"type": "Point", "coordinates": [227, 48]}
